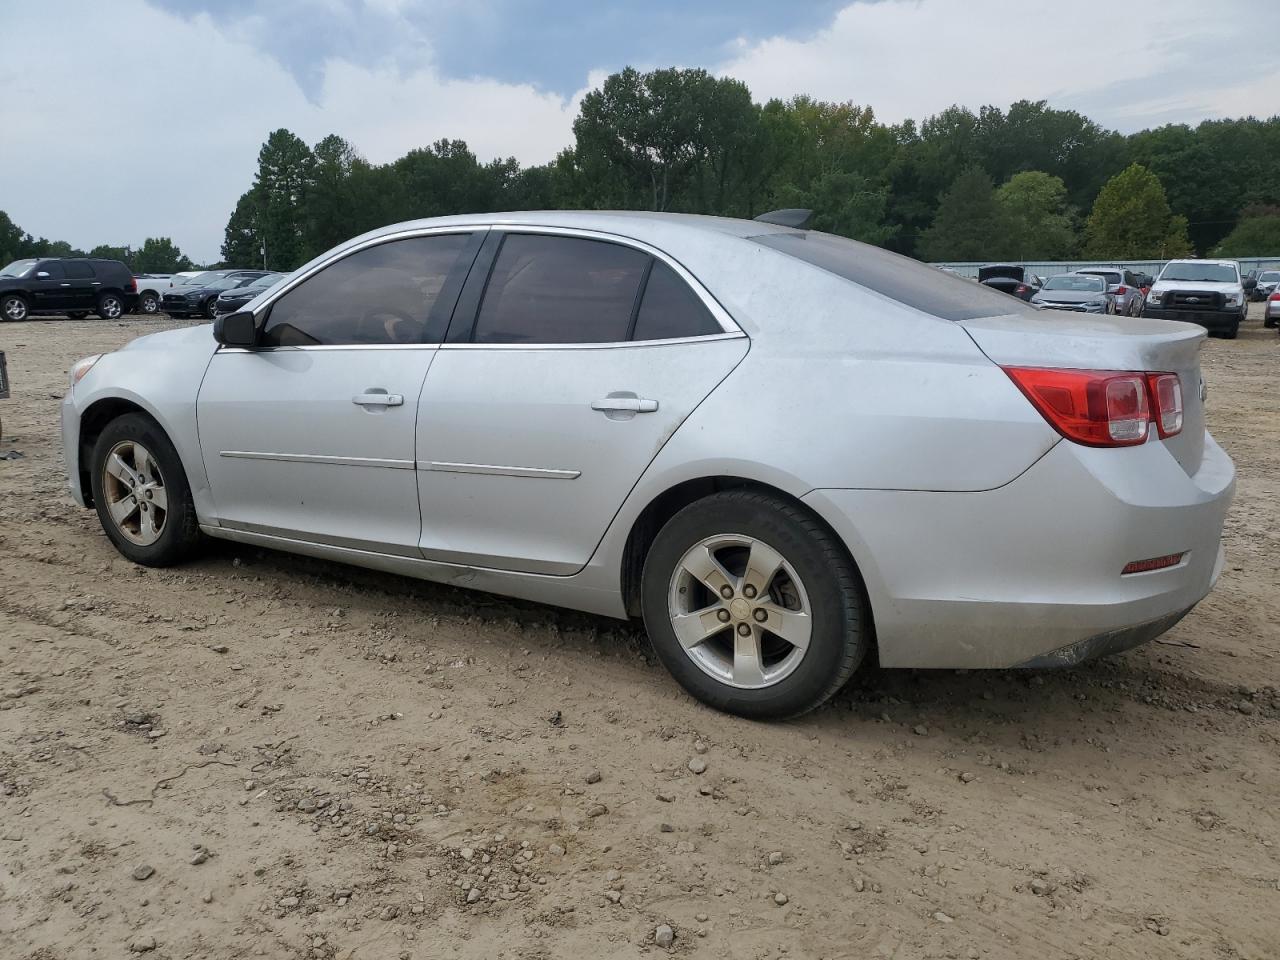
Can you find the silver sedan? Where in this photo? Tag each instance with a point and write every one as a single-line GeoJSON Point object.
{"type": "Point", "coordinates": [781, 448]}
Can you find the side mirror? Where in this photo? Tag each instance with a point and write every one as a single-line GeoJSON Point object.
{"type": "Point", "coordinates": [239, 329]}
{"type": "Point", "coordinates": [1251, 284]}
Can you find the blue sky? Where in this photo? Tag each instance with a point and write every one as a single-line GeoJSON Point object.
{"type": "Point", "coordinates": [196, 85]}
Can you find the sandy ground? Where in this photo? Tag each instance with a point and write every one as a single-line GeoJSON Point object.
{"type": "Point", "coordinates": [259, 755]}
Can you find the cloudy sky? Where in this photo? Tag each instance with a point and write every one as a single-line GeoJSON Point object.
{"type": "Point", "coordinates": [138, 118]}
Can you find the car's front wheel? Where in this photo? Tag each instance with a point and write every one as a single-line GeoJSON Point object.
{"type": "Point", "coordinates": [141, 492]}
{"type": "Point", "coordinates": [753, 605]}
{"type": "Point", "coordinates": [13, 307]}
{"type": "Point", "coordinates": [211, 308]}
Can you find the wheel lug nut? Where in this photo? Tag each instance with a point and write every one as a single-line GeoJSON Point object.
{"type": "Point", "coordinates": [723, 615]}
{"type": "Point", "coordinates": [749, 591]}
{"type": "Point", "coordinates": [761, 615]}
{"type": "Point", "coordinates": [744, 629]}
{"type": "Point", "coordinates": [726, 592]}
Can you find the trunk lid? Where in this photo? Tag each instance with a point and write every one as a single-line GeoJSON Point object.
{"type": "Point", "coordinates": [1106, 343]}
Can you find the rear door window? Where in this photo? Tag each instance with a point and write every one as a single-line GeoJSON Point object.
{"type": "Point", "coordinates": [78, 269]}
{"type": "Point", "coordinates": [553, 289]}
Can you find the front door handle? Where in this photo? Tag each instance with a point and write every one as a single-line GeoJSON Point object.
{"type": "Point", "coordinates": [378, 399]}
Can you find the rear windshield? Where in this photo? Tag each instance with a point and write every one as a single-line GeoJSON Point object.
{"type": "Point", "coordinates": [1266, 276]}
{"type": "Point", "coordinates": [1078, 282]}
{"type": "Point", "coordinates": [899, 278]}
{"type": "Point", "coordinates": [1112, 276]}
{"type": "Point", "coordinates": [1200, 272]}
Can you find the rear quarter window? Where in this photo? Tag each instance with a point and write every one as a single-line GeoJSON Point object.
{"type": "Point", "coordinates": [899, 278]}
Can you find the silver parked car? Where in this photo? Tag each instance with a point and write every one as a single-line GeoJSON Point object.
{"type": "Point", "coordinates": [1123, 286]}
{"type": "Point", "coordinates": [1078, 292]}
{"type": "Point", "coordinates": [780, 448]}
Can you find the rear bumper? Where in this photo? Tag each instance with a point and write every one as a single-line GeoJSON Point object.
{"type": "Point", "coordinates": [1029, 574]}
{"type": "Point", "coordinates": [1209, 319]}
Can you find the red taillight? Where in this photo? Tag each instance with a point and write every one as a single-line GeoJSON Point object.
{"type": "Point", "coordinates": [1155, 563]}
{"type": "Point", "coordinates": [1022, 288]}
{"type": "Point", "coordinates": [1103, 408]}
{"type": "Point", "coordinates": [1121, 290]}
{"type": "Point", "coordinates": [1275, 296]}
{"type": "Point", "coordinates": [133, 285]}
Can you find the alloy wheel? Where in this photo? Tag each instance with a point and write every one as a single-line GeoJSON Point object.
{"type": "Point", "coordinates": [135, 492]}
{"type": "Point", "coordinates": [110, 308]}
{"type": "Point", "coordinates": [739, 611]}
{"type": "Point", "coordinates": [149, 305]}
{"type": "Point", "coordinates": [15, 308]}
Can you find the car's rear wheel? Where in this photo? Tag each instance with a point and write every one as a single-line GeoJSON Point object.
{"type": "Point", "coordinates": [13, 307]}
{"type": "Point", "coordinates": [753, 605]}
{"type": "Point", "coordinates": [110, 306]}
{"type": "Point", "coordinates": [141, 492]}
{"type": "Point", "coordinates": [1268, 322]}
{"type": "Point", "coordinates": [148, 303]}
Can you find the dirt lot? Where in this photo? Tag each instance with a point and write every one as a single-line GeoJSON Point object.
{"type": "Point", "coordinates": [263, 756]}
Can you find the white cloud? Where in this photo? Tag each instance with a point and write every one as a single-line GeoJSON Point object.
{"type": "Point", "coordinates": [138, 123]}
{"type": "Point", "coordinates": [912, 58]}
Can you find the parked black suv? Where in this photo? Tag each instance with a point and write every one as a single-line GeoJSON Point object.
{"type": "Point", "coordinates": [75, 286]}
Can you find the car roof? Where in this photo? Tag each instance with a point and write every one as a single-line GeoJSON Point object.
{"type": "Point", "coordinates": [628, 223]}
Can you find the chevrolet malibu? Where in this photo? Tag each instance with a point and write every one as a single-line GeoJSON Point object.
{"type": "Point", "coordinates": [780, 448]}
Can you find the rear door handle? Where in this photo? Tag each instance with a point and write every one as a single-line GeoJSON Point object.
{"type": "Point", "coordinates": [625, 405]}
{"type": "Point", "coordinates": [378, 399]}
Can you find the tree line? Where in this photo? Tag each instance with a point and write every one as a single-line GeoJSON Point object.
{"type": "Point", "coordinates": [1030, 182]}
{"type": "Point", "coordinates": [156, 255]}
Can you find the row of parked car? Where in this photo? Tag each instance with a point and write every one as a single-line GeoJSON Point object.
{"type": "Point", "coordinates": [79, 286]}
{"type": "Point", "coordinates": [1211, 293]}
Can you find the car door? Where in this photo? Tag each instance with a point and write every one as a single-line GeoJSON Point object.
{"type": "Point", "coordinates": [50, 288]}
{"type": "Point", "coordinates": [81, 285]}
{"type": "Point", "coordinates": [563, 377]}
{"type": "Point", "coordinates": [310, 436]}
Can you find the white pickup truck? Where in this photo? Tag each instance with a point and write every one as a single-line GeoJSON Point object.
{"type": "Point", "coordinates": [1207, 292]}
{"type": "Point", "coordinates": [151, 288]}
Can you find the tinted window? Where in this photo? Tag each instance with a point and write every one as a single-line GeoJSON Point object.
{"type": "Point", "coordinates": [382, 294]}
{"type": "Point", "coordinates": [560, 290]}
{"type": "Point", "coordinates": [671, 309]}
{"type": "Point", "coordinates": [899, 278]}
{"type": "Point", "coordinates": [53, 268]}
{"type": "Point", "coordinates": [77, 269]}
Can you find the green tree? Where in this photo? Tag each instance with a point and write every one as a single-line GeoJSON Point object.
{"type": "Point", "coordinates": [285, 169]}
{"type": "Point", "coordinates": [1256, 235]}
{"type": "Point", "coordinates": [108, 252]}
{"type": "Point", "coordinates": [1040, 226]}
{"type": "Point", "coordinates": [242, 244]}
{"type": "Point", "coordinates": [971, 223]}
{"type": "Point", "coordinates": [160, 255]}
{"type": "Point", "coordinates": [1131, 220]}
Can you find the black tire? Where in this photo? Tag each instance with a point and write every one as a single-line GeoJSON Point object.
{"type": "Point", "coordinates": [1232, 331]}
{"type": "Point", "coordinates": [110, 306]}
{"type": "Point", "coordinates": [148, 303]}
{"type": "Point", "coordinates": [840, 632]}
{"type": "Point", "coordinates": [1269, 322]}
{"type": "Point", "coordinates": [14, 307]}
{"type": "Point", "coordinates": [180, 532]}
{"type": "Point", "coordinates": [211, 308]}
{"type": "Point", "coordinates": [77, 314]}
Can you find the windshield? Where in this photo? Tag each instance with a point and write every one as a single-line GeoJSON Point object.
{"type": "Point", "coordinates": [1077, 282]}
{"type": "Point", "coordinates": [1199, 272]}
{"type": "Point", "coordinates": [1268, 276]}
{"type": "Point", "coordinates": [19, 268]}
{"type": "Point", "coordinates": [200, 278]}
{"type": "Point", "coordinates": [263, 283]}
{"type": "Point", "coordinates": [1111, 276]}
{"type": "Point", "coordinates": [225, 283]}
